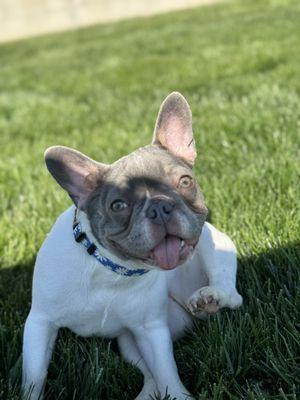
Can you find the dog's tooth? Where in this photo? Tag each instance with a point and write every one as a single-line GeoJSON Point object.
{"type": "Point", "coordinates": [181, 243]}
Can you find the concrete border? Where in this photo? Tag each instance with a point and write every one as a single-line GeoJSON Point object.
{"type": "Point", "coordinates": [24, 18]}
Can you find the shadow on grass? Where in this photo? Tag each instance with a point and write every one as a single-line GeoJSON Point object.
{"type": "Point", "coordinates": [249, 352]}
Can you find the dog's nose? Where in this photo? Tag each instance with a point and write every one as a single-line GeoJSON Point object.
{"type": "Point", "coordinates": [159, 211]}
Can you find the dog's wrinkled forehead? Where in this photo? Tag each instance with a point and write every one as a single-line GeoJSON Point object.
{"type": "Point", "coordinates": [149, 168]}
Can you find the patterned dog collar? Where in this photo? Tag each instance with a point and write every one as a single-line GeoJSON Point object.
{"type": "Point", "coordinates": [91, 248]}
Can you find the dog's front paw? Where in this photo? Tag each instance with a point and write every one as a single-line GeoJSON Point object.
{"type": "Point", "coordinates": [206, 299]}
{"type": "Point", "coordinates": [210, 299]}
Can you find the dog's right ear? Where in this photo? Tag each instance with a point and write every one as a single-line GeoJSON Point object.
{"type": "Point", "coordinates": [78, 174]}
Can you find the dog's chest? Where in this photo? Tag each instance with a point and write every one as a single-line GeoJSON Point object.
{"type": "Point", "coordinates": [101, 308]}
{"type": "Point", "coordinates": [94, 313]}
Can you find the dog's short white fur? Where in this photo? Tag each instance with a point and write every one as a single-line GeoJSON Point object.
{"type": "Point", "coordinates": [71, 289]}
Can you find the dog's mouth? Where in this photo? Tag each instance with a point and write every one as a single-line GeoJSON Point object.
{"type": "Point", "coordinates": [170, 252]}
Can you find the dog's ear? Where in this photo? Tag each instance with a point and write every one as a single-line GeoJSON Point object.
{"type": "Point", "coordinates": [78, 174]}
{"type": "Point", "coordinates": [173, 129]}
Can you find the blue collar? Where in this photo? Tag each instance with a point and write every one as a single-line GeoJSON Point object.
{"type": "Point", "coordinates": [91, 248]}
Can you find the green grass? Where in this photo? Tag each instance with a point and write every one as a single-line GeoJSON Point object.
{"type": "Point", "coordinates": [98, 90]}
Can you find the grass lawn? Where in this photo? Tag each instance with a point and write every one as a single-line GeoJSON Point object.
{"type": "Point", "coordinates": [98, 90]}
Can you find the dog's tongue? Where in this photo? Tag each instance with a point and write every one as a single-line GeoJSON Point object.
{"type": "Point", "coordinates": [166, 253]}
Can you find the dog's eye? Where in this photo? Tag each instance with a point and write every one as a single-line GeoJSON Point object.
{"type": "Point", "coordinates": [185, 182]}
{"type": "Point", "coordinates": [118, 205]}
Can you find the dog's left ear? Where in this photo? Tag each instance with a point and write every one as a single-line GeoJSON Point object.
{"type": "Point", "coordinates": [173, 129]}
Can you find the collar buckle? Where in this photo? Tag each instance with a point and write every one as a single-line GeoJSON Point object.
{"type": "Point", "coordinates": [91, 249]}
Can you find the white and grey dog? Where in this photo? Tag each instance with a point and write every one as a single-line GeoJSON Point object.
{"type": "Point", "coordinates": [134, 258]}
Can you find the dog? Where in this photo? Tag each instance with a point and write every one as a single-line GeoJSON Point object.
{"type": "Point", "coordinates": [132, 258]}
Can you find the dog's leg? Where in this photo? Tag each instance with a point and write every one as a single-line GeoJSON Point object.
{"type": "Point", "coordinates": [217, 255]}
{"type": "Point", "coordinates": [155, 345]}
{"type": "Point", "coordinates": [38, 343]}
{"type": "Point", "coordinates": [131, 354]}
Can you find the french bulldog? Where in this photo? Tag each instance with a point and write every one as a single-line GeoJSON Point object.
{"type": "Point", "coordinates": [132, 259]}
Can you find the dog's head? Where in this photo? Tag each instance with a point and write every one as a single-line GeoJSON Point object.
{"type": "Point", "coordinates": [146, 206]}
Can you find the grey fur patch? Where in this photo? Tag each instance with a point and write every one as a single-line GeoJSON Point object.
{"type": "Point", "coordinates": [147, 172]}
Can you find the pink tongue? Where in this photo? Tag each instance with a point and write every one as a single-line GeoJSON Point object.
{"type": "Point", "coordinates": [166, 253]}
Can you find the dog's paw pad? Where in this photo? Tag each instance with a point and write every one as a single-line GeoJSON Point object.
{"type": "Point", "coordinates": [205, 299]}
